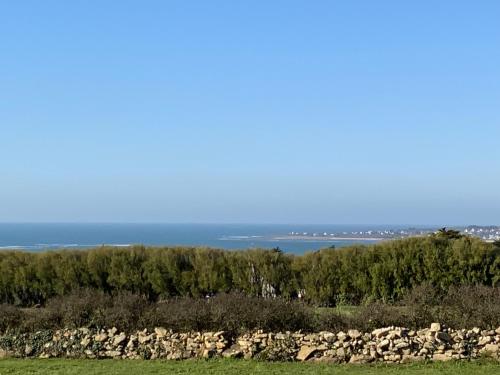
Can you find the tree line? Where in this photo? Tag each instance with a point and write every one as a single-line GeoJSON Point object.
{"type": "Point", "coordinates": [384, 271]}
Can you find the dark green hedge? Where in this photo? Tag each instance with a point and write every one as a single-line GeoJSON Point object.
{"type": "Point", "coordinates": [383, 271]}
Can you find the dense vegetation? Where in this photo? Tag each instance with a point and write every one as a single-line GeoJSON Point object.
{"type": "Point", "coordinates": [411, 282]}
{"type": "Point", "coordinates": [459, 307]}
{"type": "Point", "coordinates": [383, 272]}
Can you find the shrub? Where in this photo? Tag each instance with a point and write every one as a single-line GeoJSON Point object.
{"type": "Point", "coordinates": [377, 314]}
{"type": "Point", "coordinates": [10, 317]}
{"type": "Point", "coordinates": [460, 307]}
{"type": "Point", "coordinates": [40, 319]}
{"type": "Point", "coordinates": [471, 306]}
{"type": "Point", "coordinates": [421, 305]}
{"type": "Point", "coordinates": [125, 311]}
{"type": "Point", "coordinates": [330, 320]}
{"type": "Point", "coordinates": [81, 308]}
{"type": "Point", "coordinates": [383, 271]}
{"type": "Point", "coordinates": [232, 313]}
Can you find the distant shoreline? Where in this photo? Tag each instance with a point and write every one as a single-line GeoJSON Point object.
{"type": "Point", "coordinates": [327, 238]}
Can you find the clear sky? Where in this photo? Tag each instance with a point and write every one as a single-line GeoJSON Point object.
{"type": "Point", "coordinates": [250, 111]}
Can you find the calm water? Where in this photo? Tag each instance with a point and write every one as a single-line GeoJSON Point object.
{"type": "Point", "coordinates": [36, 237]}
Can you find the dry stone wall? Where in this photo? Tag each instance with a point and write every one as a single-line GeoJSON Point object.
{"type": "Point", "coordinates": [391, 344]}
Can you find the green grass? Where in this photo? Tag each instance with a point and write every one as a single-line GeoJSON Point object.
{"type": "Point", "coordinates": [112, 367]}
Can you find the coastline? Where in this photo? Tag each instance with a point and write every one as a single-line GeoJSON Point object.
{"type": "Point", "coordinates": [327, 238]}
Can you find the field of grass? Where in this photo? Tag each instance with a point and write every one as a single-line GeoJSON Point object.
{"type": "Point", "coordinates": [112, 367]}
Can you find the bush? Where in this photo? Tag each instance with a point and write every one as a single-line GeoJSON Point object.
{"type": "Point", "coordinates": [40, 319]}
{"type": "Point", "coordinates": [81, 308]}
{"type": "Point", "coordinates": [471, 306]}
{"type": "Point", "coordinates": [422, 305]}
{"type": "Point", "coordinates": [10, 317]}
{"type": "Point", "coordinates": [232, 313]}
{"type": "Point", "coordinates": [461, 307]}
{"type": "Point", "coordinates": [377, 314]}
{"type": "Point", "coordinates": [125, 311]}
{"type": "Point", "coordinates": [384, 271]}
{"type": "Point", "coordinates": [330, 320]}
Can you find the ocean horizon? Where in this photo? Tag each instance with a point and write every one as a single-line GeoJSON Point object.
{"type": "Point", "coordinates": [36, 237]}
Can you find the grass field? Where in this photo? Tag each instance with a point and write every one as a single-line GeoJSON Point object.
{"type": "Point", "coordinates": [111, 367]}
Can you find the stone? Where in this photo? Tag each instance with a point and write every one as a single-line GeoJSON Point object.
{"type": "Point", "coordinates": [435, 327]}
{"type": "Point", "coordinates": [359, 359]}
{"type": "Point", "coordinates": [101, 337]}
{"type": "Point", "coordinates": [441, 357]}
{"type": "Point", "coordinates": [305, 352]}
{"type": "Point", "coordinates": [4, 353]}
{"type": "Point", "coordinates": [491, 349]}
{"type": "Point", "coordinates": [384, 344]}
{"type": "Point", "coordinates": [329, 337]}
{"type": "Point", "coordinates": [160, 332]}
{"type": "Point", "coordinates": [131, 343]}
{"type": "Point", "coordinates": [341, 352]}
{"type": "Point", "coordinates": [409, 358]}
{"type": "Point", "coordinates": [381, 332]}
{"type": "Point", "coordinates": [443, 337]}
{"type": "Point", "coordinates": [402, 345]}
{"type": "Point", "coordinates": [220, 345]}
{"type": "Point", "coordinates": [234, 351]}
{"type": "Point", "coordinates": [85, 342]}
{"type": "Point", "coordinates": [485, 340]}
{"type": "Point", "coordinates": [393, 358]}
{"type": "Point", "coordinates": [113, 353]}
{"type": "Point", "coordinates": [144, 338]}
{"type": "Point", "coordinates": [354, 334]}
{"type": "Point", "coordinates": [208, 353]}
{"type": "Point", "coordinates": [390, 345]}
{"type": "Point", "coordinates": [117, 340]}
{"type": "Point", "coordinates": [327, 360]}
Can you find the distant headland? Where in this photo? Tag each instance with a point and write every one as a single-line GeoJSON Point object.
{"type": "Point", "coordinates": [486, 233]}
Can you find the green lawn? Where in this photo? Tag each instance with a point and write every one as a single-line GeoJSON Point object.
{"type": "Point", "coordinates": [110, 367]}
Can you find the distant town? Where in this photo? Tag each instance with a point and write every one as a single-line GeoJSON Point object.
{"type": "Point", "coordinates": [487, 233]}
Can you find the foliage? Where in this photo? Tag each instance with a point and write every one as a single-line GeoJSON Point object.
{"type": "Point", "coordinates": [352, 275]}
{"type": "Point", "coordinates": [460, 307]}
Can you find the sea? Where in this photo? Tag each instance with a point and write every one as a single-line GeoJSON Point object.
{"type": "Point", "coordinates": [40, 237]}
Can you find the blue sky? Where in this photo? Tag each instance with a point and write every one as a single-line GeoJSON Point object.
{"type": "Point", "coordinates": [245, 111]}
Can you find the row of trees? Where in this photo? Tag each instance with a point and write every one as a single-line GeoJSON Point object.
{"type": "Point", "coordinates": [383, 271]}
